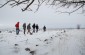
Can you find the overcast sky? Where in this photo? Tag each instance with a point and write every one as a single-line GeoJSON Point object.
{"type": "Point", "coordinates": [44, 16]}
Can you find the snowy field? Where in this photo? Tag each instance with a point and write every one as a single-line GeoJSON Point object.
{"type": "Point", "coordinates": [51, 42]}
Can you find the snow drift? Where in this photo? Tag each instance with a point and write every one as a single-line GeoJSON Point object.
{"type": "Point", "coordinates": [51, 42]}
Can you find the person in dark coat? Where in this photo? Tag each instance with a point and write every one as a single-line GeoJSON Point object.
{"type": "Point", "coordinates": [33, 26]}
{"type": "Point", "coordinates": [17, 28]}
{"type": "Point", "coordinates": [24, 27]}
{"type": "Point", "coordinates": [37, 27]}
{"type": "Point", "coordinates": [28, 28]}
{"type": "Point", "coordinates": [44, 28]}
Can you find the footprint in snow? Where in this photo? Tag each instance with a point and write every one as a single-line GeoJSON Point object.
{"type": "Point", "coordinates": [46, 40]}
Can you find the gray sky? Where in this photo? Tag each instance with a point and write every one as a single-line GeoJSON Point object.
{"type": "Point", "coordinates": [44, 16]}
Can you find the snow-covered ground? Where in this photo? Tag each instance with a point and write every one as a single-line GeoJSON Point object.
{"type": "Point", "coordinates": [51, 42]}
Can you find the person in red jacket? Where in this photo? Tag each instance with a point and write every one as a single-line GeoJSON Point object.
{"type": "Point", "coordinates": [17, 28]}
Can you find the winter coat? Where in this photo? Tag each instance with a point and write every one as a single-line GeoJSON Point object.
{"type": "Point", "coordinates": [28, 26]}
{"type": "Point", "coordinates": [44, 28]}
{"type": "Point", "coordinates": [33, 26]}
{"type": "Point", "coordinates": [17, 25]}
{"type": "Point", "coordinates": [24, 26]}
{"type": "Point", "coordinates": [37, 27]}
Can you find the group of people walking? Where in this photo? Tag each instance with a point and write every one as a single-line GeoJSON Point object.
{"type": "Point", "coordinates": [28, 27]}
{"type": "Point", "coordinates": [35, 28]}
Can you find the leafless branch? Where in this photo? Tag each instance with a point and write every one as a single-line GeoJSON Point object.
{"type": "Point", "coordinates": [39, 4]}
{"type": "Point", "coordinates": [28, 5]}
{"type": "Point", "coordinates": [77, 4]}
{"type": "Point", "coordinates": [72, 11]}
{"type": "Point", "coordinates": [4, 4]}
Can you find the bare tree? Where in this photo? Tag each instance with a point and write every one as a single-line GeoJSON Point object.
{"type": "Point", "coordinates": [76, 4]}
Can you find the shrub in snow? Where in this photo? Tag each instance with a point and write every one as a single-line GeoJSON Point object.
{"type": "Point", "coordinates": [10, 31]}
{"type": "Point", "coordinates": [0, 31]}
{"type": "Point", "coordinates": [64, 31]}
{"type": "Point", "coordinates": [46, 40]}
{"type": "Point", "coordinates": [32, 52]}
{"type": "Point", "coordinates": [16, 44]}
{"type": "Point", "coordinates": [37, 45]}
{"type": "Point", "coordinates": [51, 37]}
{"type": "Point", "coordinates": [27, 49]}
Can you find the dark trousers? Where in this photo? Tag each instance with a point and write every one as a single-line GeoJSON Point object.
{"type": "Point", "coordinates": [34, 30]}
{"type": "Point", "coordinates": [24, 31]}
